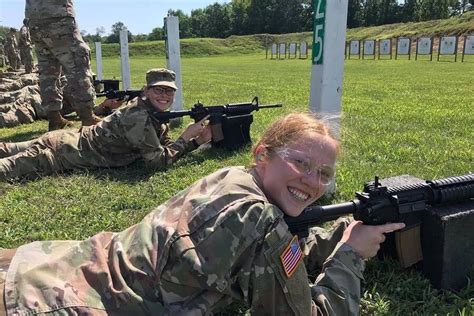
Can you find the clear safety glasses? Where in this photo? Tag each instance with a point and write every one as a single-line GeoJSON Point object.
{"type": "Point", "coordinates": [302, 163]}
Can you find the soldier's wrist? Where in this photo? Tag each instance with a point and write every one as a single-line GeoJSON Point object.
{"type": "Point", "coordinates": [196, 144]}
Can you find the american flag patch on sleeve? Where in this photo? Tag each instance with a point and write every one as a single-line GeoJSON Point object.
{"type": "Point", "coordinates": [291, 257]}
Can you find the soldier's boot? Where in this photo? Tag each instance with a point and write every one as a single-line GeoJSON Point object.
{"type": "Point", "coordinates": [56, 121]}
{"type": "Point", "coordinates": [87, 117]}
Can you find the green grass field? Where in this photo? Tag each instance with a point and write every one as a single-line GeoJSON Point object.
{"type": "Point", "coordinates": [399, 117]}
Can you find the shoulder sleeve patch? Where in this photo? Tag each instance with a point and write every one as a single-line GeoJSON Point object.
{"type": "Point", "coordinates": [291, 257]}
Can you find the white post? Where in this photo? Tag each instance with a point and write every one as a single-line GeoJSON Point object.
{"type": "Point", "coordinates": [329, 42]}
{"type": "Point", "coordinates": [173, 58]}
{"type": "Point", "coordinates": [329, 38]}
{"type": "Point", "coordinates": [125, 63]}
{"type": "Point", "coordinates": [98, 59]}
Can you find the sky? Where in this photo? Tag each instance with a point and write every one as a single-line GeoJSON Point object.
{"type": "Point", "coordinates": [139, 16]}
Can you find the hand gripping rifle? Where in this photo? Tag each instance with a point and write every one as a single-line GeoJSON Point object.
{"type": "Point", "coordinates": [379, 204]}
{"type": "Point", "coordinates": [230, 123]}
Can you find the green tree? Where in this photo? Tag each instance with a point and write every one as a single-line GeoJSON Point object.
{"type": "Point", "coordinates": [371, 12]}
{"type": "Point", "coordinates": [185, 30]}
{"type": "Point", "coordinates": [114, 37]}
{"type": "Point", "coordinates": [409, 11]}
{"type": "Point", "coordinates": [435, 9]}
{"type": "Point", "coordinates": [389, 12]}
{"type": "Point", "coordinates": [140, 38]}
{"type": "Point", "coordinates": [355, 13]}
{"type": "Point", "coordinates": [239, 17]}
{"type": "Point", "coordinates": [307, 16]}
{"type": "Point", "coordinates": [259, 16]}
{"type": "Point", "coordinates": [287, 16]}
{"type": "Point", "coordinates": [217, 20]}
{"type": "Point", "coordinates": [198, 21]}
{"type": "Point", "coordinates": [156, 34]}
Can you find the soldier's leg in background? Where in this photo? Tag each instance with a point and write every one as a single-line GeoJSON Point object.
{"type": "Point", "coordinates": [49, 69]}
{"type": "Point", "coordinates": [49, 72]}
{"type": "Point", "coordinates": [75, 60]}
{"type": "Point", "coordinates": [320, 244]}
{"type": "Point", "coordinates": [6, 256]}
{"type": "Point", "coordinates": [26, 114]}
{"type": "Point", "coordinates": [11, 149]}
{"type": "Point", "coordinates": [9, 119]}
{"type": "Point", "coordinates": [22, 115]}
{"type": "Point", "coordinates": [18, 60]}
{"type": "Point", "coordinates": [29, 61]}
{"type": "Point", "coordinates": [31, 163]}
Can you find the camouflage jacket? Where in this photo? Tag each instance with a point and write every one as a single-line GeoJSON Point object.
{"type": "Point", "coordinates": [46, 9]}
{"type": "Point", "coordinates": [129, 134]}
{"type": "Point", "coordinates": [10, 42]}
{"type": "Point", "coordinates": [218, 241]}
{"type": "Point", "coordinates": [25, 38]}
{"type": "Point", "coordinates": [12, 81]}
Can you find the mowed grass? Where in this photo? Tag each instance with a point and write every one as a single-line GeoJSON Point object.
{"type": "Point", "coordinates": [399, 117]}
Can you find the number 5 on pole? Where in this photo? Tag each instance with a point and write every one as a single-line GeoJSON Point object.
{"type": "Point", "coordinates": [319, 7]}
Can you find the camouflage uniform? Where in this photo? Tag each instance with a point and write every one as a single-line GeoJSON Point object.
{"type": "Point", "coordinates": [21, 101]}
{"type": "Point", "coordinates": [59, 43]}
{"type": "Point", "coordinates": [218, 241]}
{"type": "Point", "coordinates": [11, 50]}
{"type": "Point", "coordinates": [129, 134]}
{"type": "Point", "coordinates": [2, 54]}
{"type": "Point", "coordinates": [26, 49]}
{"type": "Point", "coordinates": [13, 81]}
{"type": "Point", "coordinates": [21, 107]}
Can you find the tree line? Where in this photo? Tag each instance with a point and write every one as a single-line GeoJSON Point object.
{"type": "Point", "coordinates": [244, 17]}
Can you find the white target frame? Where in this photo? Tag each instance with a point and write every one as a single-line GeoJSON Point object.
{"type": "Point", "coordinates": [468, 46]}
{"type": "Point", "coordinates": [303, 50]}
{"type": "Point", "coordinates": [292, 50]}
{"type": "Point", "coordinates": [368, 48]}
{"type": "Point", "coordinates": [448, 45]}
{"type": "Point", "coordinates": [274, 51]}
{"type": "Point", "coordinates": [385, 47]}
{"type": "Point", "coordinates": [424, 46]}
{"type": "Point", "coordinates": [403, 47]}
{"type": "Point", "coordinates": [282, 50]}
{"type": "Point", "coordinates": [354, 48]}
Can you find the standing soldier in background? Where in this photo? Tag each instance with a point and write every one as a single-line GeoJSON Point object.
{"type": "Point", "coordinates": [59, 44]}
{"type": "Point", "coordinates": [2, 53]}
{"type": "Point", "coordinates": [11, 50]}
{"type": "Point", "coordinates": [26, 49]}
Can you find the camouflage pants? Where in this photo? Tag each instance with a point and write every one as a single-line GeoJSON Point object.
{"type": "Point", "coordinates": [31, 158]}
{"type": "Point", "coordinates": [13, 57]}
{"type": "Point", "coordinates": [22, 115]}
{"type": "Point", "coordinates": [59, 46]}
{"type": "Point", "coordinates": [51, 153]}
{"type": "Point", "coordinates": [26, 54]}
{"type": "Point", "coordinates": [6, 256]}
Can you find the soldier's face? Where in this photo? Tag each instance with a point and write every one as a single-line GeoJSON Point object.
{"type": "Point", "coordinates": [297, 175]}
{"type": "Point", "coordinates": [161, 97]}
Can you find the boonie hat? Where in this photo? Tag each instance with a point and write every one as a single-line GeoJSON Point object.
{"type": "Point", "coordinates": [161, 77]}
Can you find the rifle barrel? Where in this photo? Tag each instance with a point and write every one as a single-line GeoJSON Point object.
{"type": "Point", "coordinates": [268, 106]}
